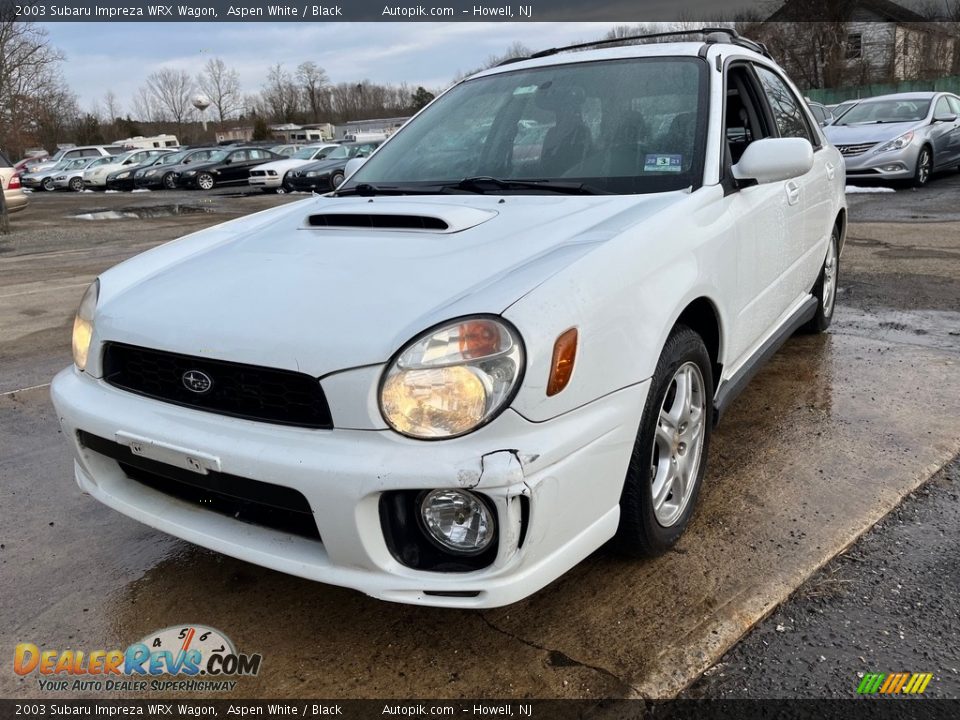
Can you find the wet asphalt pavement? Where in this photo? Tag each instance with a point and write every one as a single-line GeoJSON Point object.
{"type": "Point", "coordinates": [825, 442]}
{"type": "Point", "coordinates": [890, 604]}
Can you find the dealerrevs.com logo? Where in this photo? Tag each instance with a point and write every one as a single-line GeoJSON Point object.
{"type": "Point", "coordinates": [203, 654]}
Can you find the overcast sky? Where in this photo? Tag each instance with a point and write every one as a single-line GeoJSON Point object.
{"type": "Point", "coordinates": [119, 56]}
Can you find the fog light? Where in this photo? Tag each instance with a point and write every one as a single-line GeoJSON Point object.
{"type": "Point", "coordinates": [458, 520]}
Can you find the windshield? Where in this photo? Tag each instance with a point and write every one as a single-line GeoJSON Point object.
{"type": "Point", "coordinates": [311, 153]}
{"type": "Point", "coordinates": [886, 111]}
{"type": "Point", "coordinates": [171, 158]}
{"type": "Point", "coordinates": [214, 157]}
{"type": "Point", "coordinates": [105, 160]}
{"type": "Point", "coordinates": [623, 126]}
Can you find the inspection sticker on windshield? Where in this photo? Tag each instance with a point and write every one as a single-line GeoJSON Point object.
{"type": "Point", "coordinates": [663, 163]}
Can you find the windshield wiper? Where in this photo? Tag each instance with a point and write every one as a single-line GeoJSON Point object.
{"type": "Point", "coordinates": [483, 184]}
{"type": "Point", "coordinates": [369, 190]}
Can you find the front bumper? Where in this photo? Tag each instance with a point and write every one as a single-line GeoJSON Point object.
{"type": "Point", "coordinates": [570, 469]}
{"type": "Point", "coordinates": [308, 184]}
{"type": "Point", "coordinates": [125, 184]}
{"type": "Point", "coordinates": [265, 181]}
{"type": "Point", "coordinates": [889, 165]}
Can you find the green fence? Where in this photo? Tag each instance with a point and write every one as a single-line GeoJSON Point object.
{"type": "Point", "coordinates": [831, 96]}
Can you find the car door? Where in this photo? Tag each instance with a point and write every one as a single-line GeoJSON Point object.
{"type": "Point", "coordinates": [766, 218]}
{"type": "Point", "coordinates": [810, 195]}
{"type": "Point", "coordinates": [954, 103]}
{"type": "Point", "coordinates": [238, 168]}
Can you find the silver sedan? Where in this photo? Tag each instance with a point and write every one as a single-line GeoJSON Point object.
{"type": "Point", "coordinates": [906, 136]}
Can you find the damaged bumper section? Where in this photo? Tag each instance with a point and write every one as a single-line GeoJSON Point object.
{"type": "Point", "coordinates": [343, 506]}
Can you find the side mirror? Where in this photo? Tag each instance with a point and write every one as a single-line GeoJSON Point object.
{"type": "Point", "coordinates": [227, 161]}
{"type": "Point", "coordinates": [774, 159]}
{"type": "Point", "coordinates": [946, 118]}
{"type": "Point", "coordinates": [353, 164]}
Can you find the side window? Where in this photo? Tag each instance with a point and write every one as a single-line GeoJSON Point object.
{"type": "Point", "coordinates": [72, 154]}
{"type": "Point", "coordinates": [239, 156]}
{"type": "Point", "coordinates": [818, 113]}
{"type": "Point", "coordinates": [942, 108]}
{"type": "Point", "coordinates": [744, 120]}
{"type": "Point", "coordinates": [787, 110]}
{"type": "Point", "coordinates": [954, 104]}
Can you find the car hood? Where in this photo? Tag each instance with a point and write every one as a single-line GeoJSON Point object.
{"type": "Point", "coordinates": [101, 170]}
{"type": "Point", "coordinates": [321, 165]}
{"type": "Point", "coordinates": [281, 166]}
{"type": "Point", "coordinates": [871, 132]}
{"type": "Point", "coordinates": [272, 290]}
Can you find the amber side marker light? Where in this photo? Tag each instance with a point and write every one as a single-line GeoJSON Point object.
{"type": "Point", "coordinates": [564, 356]}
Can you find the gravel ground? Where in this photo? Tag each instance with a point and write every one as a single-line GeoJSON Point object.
{"type": "Point", "coordinates": [891, 603]}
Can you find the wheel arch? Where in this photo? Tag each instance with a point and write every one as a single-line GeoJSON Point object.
{"type": "Point", "coordinates": [702, 316]}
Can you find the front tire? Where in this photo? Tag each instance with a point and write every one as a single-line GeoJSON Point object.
{"type": "Point", "coordinates": [921, 175]}
{"type": "Point", "coordinates": [669, 456]}
{"type": "Point", "coordinates": [205, 181]}
{"type": "Point", "coordinates": [336, 180]}
{"type": "Point", "coordinates": [169, 181]}
{"type": "Point", "coordinates": [825, 290]}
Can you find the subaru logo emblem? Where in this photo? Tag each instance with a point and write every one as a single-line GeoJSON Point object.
{"type": "Point", "coordinates": [197, 382]}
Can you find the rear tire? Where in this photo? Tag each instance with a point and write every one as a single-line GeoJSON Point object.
{"type": "Point", "coordinates": [76, 184]}
{"type": "Point", "coordinates": [825, 290]}
{"type": "Point", "coordinates": [48, 185]}
{"type": "Point", "coordinates": [669, 456]}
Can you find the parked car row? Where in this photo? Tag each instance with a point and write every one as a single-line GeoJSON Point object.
{"type": "Point", "coordinates": [320, 167]}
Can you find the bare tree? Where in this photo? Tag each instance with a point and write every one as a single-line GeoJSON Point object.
{"type": "Point", "coordinates": [221, 85]}
{"type": "Point", "coordinates": [280, 94]}
{"type": "Point", "coordinates": [170, 90]}
{"type": "Point", "coordinates": [314, 84]}
{"type": "Point", "coordinates": [28, 73]}
{"type": "Point", "coordinates": [111, 107]}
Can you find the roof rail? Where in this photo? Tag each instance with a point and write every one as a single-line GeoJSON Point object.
{"type": "Point", "coordinates": [730, 35]}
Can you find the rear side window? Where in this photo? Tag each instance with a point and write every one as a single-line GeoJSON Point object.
{"type": "Point", "coordinates": [786, 107]}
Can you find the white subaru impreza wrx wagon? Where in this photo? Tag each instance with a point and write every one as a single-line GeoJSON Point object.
{"type": "Point", "coordinates": [501, 343]}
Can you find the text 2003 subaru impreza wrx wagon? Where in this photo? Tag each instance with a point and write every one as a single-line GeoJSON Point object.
{"type": "Point", "coordinates": [500, 344]}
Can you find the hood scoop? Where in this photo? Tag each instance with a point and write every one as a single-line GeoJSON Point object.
{"type": "Point", "coordinates": [401, 217]}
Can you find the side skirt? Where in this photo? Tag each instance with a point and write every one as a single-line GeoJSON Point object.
{"type": "Point", "coordinates": [731, 388]}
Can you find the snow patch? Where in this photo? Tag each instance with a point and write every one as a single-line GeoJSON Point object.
{"type": "Point", "coordinates": [854, 189]}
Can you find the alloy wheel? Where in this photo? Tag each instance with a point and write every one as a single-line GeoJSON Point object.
{"type": "Point", "coordinates": [169, 182]}
{"type": "Point", "coordinates": [205, 182]}
{"type": "Point", "coordinates": [678, 444]}
{"type": "Point", "coordinates": [830, 277]}
{"type": "Point", "coordinates": [923, 167]}
{"type": "Point", "coordinates": [76, 184]}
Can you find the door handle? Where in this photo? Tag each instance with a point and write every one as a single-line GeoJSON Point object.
{"type": "Point", "coordinates": [793, 193]}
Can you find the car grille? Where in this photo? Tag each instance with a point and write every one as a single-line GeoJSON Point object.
{"type": "Point", "coordinates": [269, 395]}
{"type": "Point", "coordinates": [851, 150]}
{"type": "Point", "coordinates": [251, 501]}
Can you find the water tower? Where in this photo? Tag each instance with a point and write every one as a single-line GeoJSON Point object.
{"type": "Point", "coordinates": [201, 103]}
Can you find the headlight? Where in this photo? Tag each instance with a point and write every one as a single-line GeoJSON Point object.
{"type": "Point", "coordinates": [150, 173]}
{"type": "Point", "coordinates": [190, 173]}
{"type": "Point", "coordinates": [899, 143]}
{"type": "Point", "coordinates": [312, 173]}
{"type": "Point", "coordinates": [83, 324]}
{"type": "Point", "coordinates": [452, 380]}
{"type": "Point", "coordinates": [60, 177]}
{"type": "Point", "coordinates": [122, 175]}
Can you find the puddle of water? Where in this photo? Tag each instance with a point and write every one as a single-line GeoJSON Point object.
{"type": "Point", "coordinates": [149, 211]}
